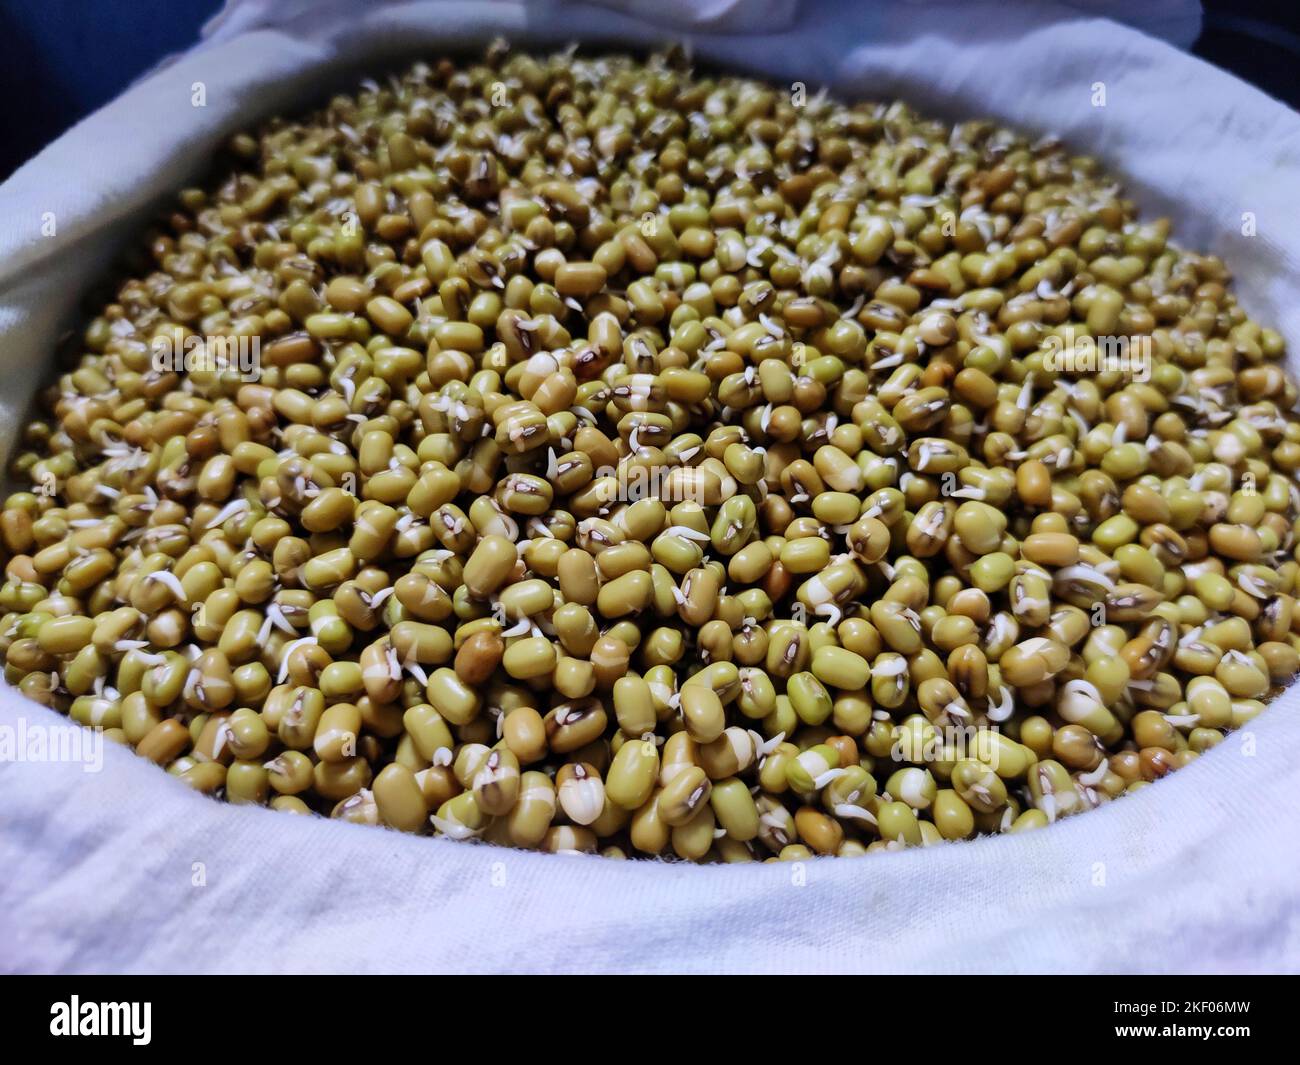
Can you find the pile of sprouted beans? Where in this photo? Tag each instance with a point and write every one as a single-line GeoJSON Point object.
{"type": "Point", "coordinates": [584, 454]}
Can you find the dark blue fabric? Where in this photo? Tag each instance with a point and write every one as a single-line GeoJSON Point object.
{"type": "Point", "coordinates": [62, 59]}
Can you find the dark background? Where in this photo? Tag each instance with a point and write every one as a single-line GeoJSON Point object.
{"type": "Point", "coordinates": [62, 59]}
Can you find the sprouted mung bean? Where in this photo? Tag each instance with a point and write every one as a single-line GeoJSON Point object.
{"type": "Point", "coordinates": [918, 559]}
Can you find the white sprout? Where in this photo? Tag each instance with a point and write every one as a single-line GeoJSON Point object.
{"type": "Point", "coordinates": [288, 649]}
{"type": "Point", "coordinates": [1085, 574]}
{"type": "Point", "coordinates": [517, 629]}
{"type": "Point", "coordinates": [229, 510]}
{"type": "Point", "coordinates": [274, 617]}
{"type": "Point", "coordinates": [171, 582]}
{"type": "Point", "coordinates": [453, 829]}
{"type": "Point", "coordinates": [1254, 586]}
{"type": "Point", "coordinates": [1002, 709]}
{"type": "Point", "coordinates": [857, 813]}
{"type": "Point", "coordinates": [894, 667]}
{"type": "Point", "coordinates": [1026, 392]}
{"type": "Point", "coordinates": [829, 610]}
{"type": "Point", "coordinates": [686, 533]}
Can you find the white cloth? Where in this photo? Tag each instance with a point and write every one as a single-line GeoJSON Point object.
{"type": "Point", "coordinates": [1199, 872]}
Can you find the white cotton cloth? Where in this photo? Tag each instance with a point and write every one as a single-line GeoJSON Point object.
{"type": "Point", "coordinates": [124, 869]}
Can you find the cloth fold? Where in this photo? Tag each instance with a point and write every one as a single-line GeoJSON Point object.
{"type": "Point", "coordinates": [125, 869]}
